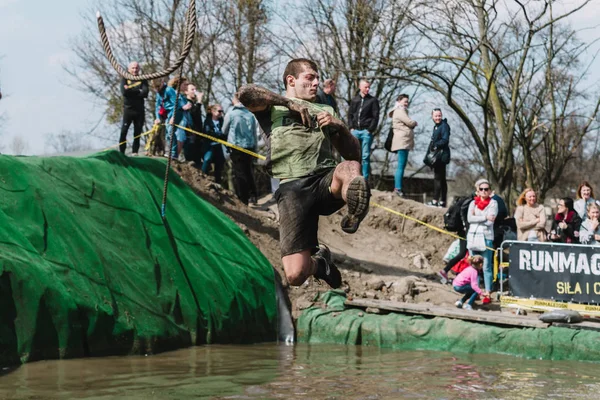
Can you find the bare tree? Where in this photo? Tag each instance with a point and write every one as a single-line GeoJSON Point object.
{"type": "Point", "coordinates": [228, 48]}
{"type": "Point", "coordinates": [66, 142]}
{"type": "Point", "coordinates": [484, 57]}
{"type": "Point", "coordinates": [18, 146]}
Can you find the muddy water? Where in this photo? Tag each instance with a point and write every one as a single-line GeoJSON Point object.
{"type": "Point", "coordinates": [270, 371]}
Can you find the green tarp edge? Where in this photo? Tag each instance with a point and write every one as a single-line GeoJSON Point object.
{"type": "Point", "coordinates": [88, 267]}
{"type": "Point", "coordinates": [335, 323]}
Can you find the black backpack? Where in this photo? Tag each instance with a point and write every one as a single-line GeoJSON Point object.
{"type": "Point", "coordinates": [453, 219]}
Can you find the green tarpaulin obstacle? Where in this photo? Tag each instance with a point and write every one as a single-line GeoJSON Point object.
{"type": "Point", "coordinates": [88, 266]}
{"type": "Point", "coordinates": [335, 323]}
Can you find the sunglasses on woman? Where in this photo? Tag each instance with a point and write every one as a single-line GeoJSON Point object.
{"type": "Point", "coordinates": [485, 189]}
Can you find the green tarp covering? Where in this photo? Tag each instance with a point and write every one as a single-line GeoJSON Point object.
{"type": "Point", "coordinates": [337, 324]}
{"type": "Point", "coordinates": [88, 267]}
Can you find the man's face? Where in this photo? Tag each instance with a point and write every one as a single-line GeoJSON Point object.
{"type": "Point", "coordinates": [364, 88]}
{"type": "Point", "coordinates": [134, 68]}
{"type": "Point", "coordinates": [306, 85]}
{"type": "Point", "coordinates": [436, 116]}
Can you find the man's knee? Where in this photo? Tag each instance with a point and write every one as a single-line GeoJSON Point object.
{"type": "Point", "coordinates": [297, 268]}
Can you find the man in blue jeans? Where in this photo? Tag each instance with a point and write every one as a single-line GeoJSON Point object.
{"type": "Point", "coordinates": [363, 117]}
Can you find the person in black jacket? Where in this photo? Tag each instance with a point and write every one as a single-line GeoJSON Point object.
{"type": "Point", "coordinates": [566, 224]}
{"type": "Point", "coordinates": [213, 151]}
{"type": "Point", "coordinates": [192, 146]}
{"type": "Point", "coordinates": [363, 117]}
{"type": "Point", "coordinates": [134, 93]}
{"type": "Point", "coordinates": [440, 139]}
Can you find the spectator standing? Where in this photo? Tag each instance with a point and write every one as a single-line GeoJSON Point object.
{"type": "Point", "coordinates": [165, 96]}
{"type": "Point", "coordinates": [589, 233]}
{"type": "Point", "coordinates": [176, 117]}
{"type": "Point", "coordinates": [480, 237]}
{"type": "Point", "coordinates": [240, 128]}
{"type": "Point", "coordinates": [403, 140]}
{"type": "Point", "coordinates": [363, 118]}
{"type": "Point", "coordinates": [193, 120]}
{"type": "Point", "coordinates": [327, 95]}
{"type": "Point", "coordinates": [585, 196]}
{"type": "Point", "coordinates": [440, 139]}
{"type": "Point", "coordinates": [212, 152]}
{"type": "Point", "coordinates": [530, 218]}
{"type": "Point", "coordinates": [566, 224]}
{"type": "Point", "coordinates": [467, 283]}
{"type": "Point", "coordinates": [134, 93]}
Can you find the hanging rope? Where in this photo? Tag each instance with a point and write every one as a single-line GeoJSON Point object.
{"type": "Point", "coordinates": [190, 31]}
{"type": "Point", "coordinates": [163, 207]}
{"type": "Point", "coordinates": [191, 24]}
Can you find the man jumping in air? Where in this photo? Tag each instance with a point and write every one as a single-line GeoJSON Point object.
{"type": "Point", "coordinates": [300, 135]}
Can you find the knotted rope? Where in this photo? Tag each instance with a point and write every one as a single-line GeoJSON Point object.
{"type": "Point", "coordinates": [190, 31]}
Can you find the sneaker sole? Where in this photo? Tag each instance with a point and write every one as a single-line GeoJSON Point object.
{"type": "Point", "coordinates": [358, 196]}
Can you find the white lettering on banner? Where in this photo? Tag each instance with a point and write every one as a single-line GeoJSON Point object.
{"type": "Point", "coordinates": [525, 260]}
{"type": "Point", "coordinates": [537, 260]}
{"type": "Point", "coordinates": [595, 264]}
{"type": "Point", "coordinates": [566, 263]}
{"type": "Point", "coordinates": [551, 261]}
{"type": "Point", "coordinates": [582, 265]}
{"type": "Point", "coordinates": [559, 262]}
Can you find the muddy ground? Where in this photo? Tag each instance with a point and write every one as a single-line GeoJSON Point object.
{"type": "Point", "coordinates": [389, 258]}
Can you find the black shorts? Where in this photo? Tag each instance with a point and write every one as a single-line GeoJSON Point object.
{"type": "Point", "coordinates": [300, 203]}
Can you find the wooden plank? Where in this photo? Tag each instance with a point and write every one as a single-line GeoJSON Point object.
{"type": "Point", "coordinates": [488, 317]}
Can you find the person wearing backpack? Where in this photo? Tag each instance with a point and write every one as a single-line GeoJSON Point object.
{"type": "Point", "coordinates": [455, 220]}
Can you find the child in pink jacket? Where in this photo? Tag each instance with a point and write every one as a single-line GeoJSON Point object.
{"type": "Point", "coordinates": [467, 283]}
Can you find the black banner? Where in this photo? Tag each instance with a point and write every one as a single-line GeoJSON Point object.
{"type": "Point", "coordinates": [555, 272]}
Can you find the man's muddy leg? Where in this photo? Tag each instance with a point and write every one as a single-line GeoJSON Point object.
{"type": "Point", "coordinates": [298, 267]}
{"type": "Point", "coordinates": [352, 187]}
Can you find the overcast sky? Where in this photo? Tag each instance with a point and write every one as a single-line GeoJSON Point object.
{"type": "Point", "coordinates": [34, 43]}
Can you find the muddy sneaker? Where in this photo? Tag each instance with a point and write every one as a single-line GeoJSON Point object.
{"type": "Point", "coordinates": [358, 204]}
{"type": "Point", "coordinates": [467, 307]}
{"type": "Point", "coordinates": [326, 270]}
{"type": "Point", "coordinates": [444, 277]}
{"type": "Point", "coordinates": [459, 304]}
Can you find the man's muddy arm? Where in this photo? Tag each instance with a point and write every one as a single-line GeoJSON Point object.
{"type": "Point", "coordinates": [256, 98]}
{"type": "Point", "coordinates": [347, 145]}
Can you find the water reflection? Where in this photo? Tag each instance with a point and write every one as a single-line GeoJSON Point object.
{"type": "Point", "coordinates": [301, 372]}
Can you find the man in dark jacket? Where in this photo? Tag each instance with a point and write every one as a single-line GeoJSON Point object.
{"type": "Point", "coordinates": [134, 93]}
{"type": "Point", "coordinates": [363, 117]}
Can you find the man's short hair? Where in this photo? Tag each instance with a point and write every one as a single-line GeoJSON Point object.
{"type": "Point", "coordinates": [363, 80]}
{"type": "Point", "coordinates": [328, 82]}
{"type": "Point", "coordinates": [402, 96]}
{"type": "Point", "coordinates": [296, 67]}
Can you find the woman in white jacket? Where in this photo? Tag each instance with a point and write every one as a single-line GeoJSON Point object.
{"type": "Point", "coordinates": [480, 238]}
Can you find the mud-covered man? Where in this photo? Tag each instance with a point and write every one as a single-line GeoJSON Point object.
{"type": "Point", "coordinates": [301, 136]}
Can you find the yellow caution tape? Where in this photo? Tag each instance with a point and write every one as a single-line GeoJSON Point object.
{"type": "Point", "coordinates": [223, 142]}
{"type": "Point", "coordinates": [154, 128]}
